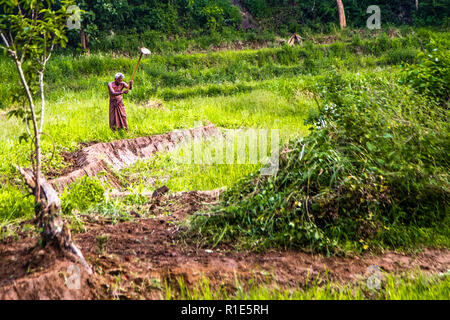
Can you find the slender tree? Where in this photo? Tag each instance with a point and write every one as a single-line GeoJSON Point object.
{"type": "Point", "coordinates": [85, 23]}
{"type": "Point", "coordinates": [29, 31]}
{"type": "Point", "coordinates": [342, 21]}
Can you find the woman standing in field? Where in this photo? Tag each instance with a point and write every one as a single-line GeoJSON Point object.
{"type": "Point", "coordinates": [117, 113]}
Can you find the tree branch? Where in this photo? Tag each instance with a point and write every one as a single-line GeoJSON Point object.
{"type": "Point", "coordinates": [7, 46]}
{"type": "Point", "coordinates": [41, 86]}
{"type": "Point", "coordinates": [4, 39]}
{"type": "Point", "coordinates": [25, 48]}
{"type": "Point", "coordinates": [50, 53]}
{"type": "Point", "coordinates": [11, 39]}
{"type": "Point", "coordinates": [41, 89]}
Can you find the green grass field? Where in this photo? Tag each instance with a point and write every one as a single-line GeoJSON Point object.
{"type": "Point", "coordinates": [412, 286]}
{"type": "Point", "coordinates": [271, 88]}
{"type": "Point", "coordinates": [266, 88]}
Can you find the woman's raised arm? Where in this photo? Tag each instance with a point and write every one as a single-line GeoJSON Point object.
{"type": "Point", "coordinates": [112, 92]}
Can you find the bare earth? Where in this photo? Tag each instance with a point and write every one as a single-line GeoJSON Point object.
{"type": "Point", "coordinates": [139, 257]}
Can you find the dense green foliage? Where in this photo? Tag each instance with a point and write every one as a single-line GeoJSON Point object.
{"type": "Point", "coordinates": [374, 171]}
{"type": "Point", "coordinates": [196, 16]}
{"type": "Point", "coordinates": [431, 75]}
{"type": "Point", "coordinates": [123, 24]}
{"type": "Point", "coordinates": [82, 194]}
{"type": "Point", "coordinates": [171, 16]}
{"type": "Point", "coordinates": [154, 18]}
{"type": "Point", "coordinates": [296, 15]}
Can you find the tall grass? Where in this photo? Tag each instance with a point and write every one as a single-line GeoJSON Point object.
{"type": "Point", "coordinates": [85, 73]}
{"type": "Point", "coordinates": [413, 286]}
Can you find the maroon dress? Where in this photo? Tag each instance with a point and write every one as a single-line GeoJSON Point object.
{"type": "Point", "coordinates": [117, 113]}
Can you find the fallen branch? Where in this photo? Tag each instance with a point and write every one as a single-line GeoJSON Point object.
{"type": "Point", "coordinates": [295, 38]}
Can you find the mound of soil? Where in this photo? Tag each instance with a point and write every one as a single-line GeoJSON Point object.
{"type": "Point", "coordinates": [134, 260]}
{"type": "Point", "coordinates": [122, 153]}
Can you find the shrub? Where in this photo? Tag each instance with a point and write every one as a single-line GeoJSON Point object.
{"type": "Point", "coordinates": [376, 165]}
{"type": "Point", "coordinates": [82, 194]}
{"type": "Point", "coordinates": [14, 205]}
{"type": "Point", "coordinates": [259, 8]}
{"type": "Point", "coordinates": [401, 55]}
{"type": "Point", "coordinates": [430, 76]}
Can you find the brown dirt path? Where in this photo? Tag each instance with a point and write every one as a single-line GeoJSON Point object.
{"type": "Point", "coordinates": [132, 260]}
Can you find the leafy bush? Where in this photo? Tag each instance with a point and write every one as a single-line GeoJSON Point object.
{"type": "Point", "coordinates": [82, 194]}
{"type": "Point", "coordinates": [259, 8]}
{"type": "Point", "coordinates": [401, 55]}
{"type": "Point", "coordinates": [304, 14]}
{"type": "Point", "coordinates": [13, 204]}
{"type": "Point", "coordinates": [431, 75]}
{"type": "Point", "coordinates": [375, 166]}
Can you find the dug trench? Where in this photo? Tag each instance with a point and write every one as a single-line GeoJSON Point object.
{"type": "Point", "coordinates": [135, 259]}
{"type": "Point", "coordinates": [106, 157]}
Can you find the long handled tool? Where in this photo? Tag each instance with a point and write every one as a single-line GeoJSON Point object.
{"type": "Point", "coordinates": [143, 51]}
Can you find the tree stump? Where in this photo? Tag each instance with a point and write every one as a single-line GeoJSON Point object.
{"type": "Point", "coordinates": [55, 231]}
{"type": "Point", "coordinates": [295, 38]}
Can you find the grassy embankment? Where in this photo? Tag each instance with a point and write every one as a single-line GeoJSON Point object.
{"type": "Point", "coordinates": [267, 88]}
{"type": "Point", "coordinates": [417, 286]}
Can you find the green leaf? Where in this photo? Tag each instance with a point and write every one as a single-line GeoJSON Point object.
{"type": "Point", "coordinates": [370, 146]}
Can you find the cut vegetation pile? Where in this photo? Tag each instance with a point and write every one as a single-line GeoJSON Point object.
{"type": "Point", "coordinates": [373, 173]}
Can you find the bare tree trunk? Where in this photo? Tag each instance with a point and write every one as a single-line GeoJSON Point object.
{"type": "Point", "coordinates": [84, 40]}
{"type": "Point", "coordinates": [342, 21]}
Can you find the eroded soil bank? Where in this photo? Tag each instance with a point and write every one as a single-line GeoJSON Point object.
{"type": "Point", "coordinates": [119, 154]}
{"type": "Point", "coordinates": [133, 260]}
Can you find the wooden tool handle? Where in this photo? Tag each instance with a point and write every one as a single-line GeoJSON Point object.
{"type": "Point", "coordinates": [135, 69]}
